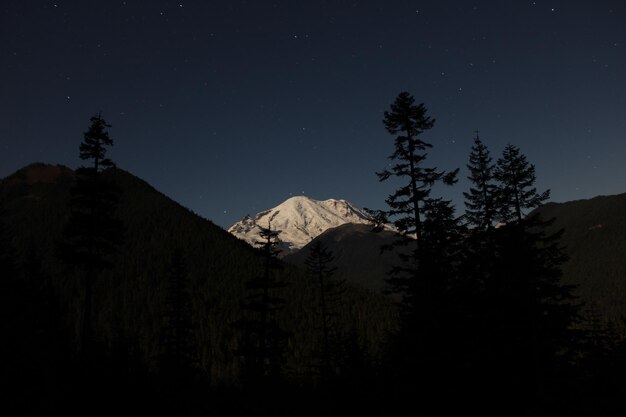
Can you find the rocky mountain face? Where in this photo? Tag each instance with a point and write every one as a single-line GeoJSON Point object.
{"type": "Point", "coordinates": [300, 219]}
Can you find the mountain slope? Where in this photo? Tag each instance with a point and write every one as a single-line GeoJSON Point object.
{"type": "Point", "coordinates": [129, 299]}
{"type": "Point", "coordinates": [300, 219]}
{"type": "Point", "coordinates": [595, 240]}
{"type": "Point", "coordinates": [356, 248]}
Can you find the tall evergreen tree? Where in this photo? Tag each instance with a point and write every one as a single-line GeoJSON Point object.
{"type": "Point", "coordinates": [92, 234]}
{"type": "Point", "coordinates": [408, 122]}
{"type": "Point", "coordinates": [531, 310]}
{"type": "Point", "coordinates": [318, 264]}
{"type": "Point", "coordinates": [429, 227]}
{"type": "Point", "coordinates": [429, 304]}
{"type": "Point", "coordinates": [480, 201]}
{"type": "Point", "coordinates": [178, 346]}
{"type": "Point", "coordinates": [520, 311]}
{"type": "Point", "coordinates": [263, 341]}
{"type": "Point", "coordinates": [95, 143]}
{"type": "Point", "coordinates": [517, 193]}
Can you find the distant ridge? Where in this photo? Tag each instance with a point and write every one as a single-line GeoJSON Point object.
{"type": "Point", "coordinates": [38, 172]}
{"type": "Point", "coordinates": [594, 238]}
{"type": "Point", "coordinates": [357, 254]}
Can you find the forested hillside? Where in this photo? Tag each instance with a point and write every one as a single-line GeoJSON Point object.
{"type": "Point", "coordinates": [594, 238]}
{"type": "Point", "coordinates": [358, 255]}
{"type": "Point", "coordinates": [130, 298]}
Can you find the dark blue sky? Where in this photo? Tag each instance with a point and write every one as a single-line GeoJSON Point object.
{"type": "Point", "coordinates": [230, 107]}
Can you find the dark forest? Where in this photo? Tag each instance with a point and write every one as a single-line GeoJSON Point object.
{"type": "Point", "coordinates": [117, 299]}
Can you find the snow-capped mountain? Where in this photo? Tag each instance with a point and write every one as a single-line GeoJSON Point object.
{"type": "Point", "coordinates": [300, 220]}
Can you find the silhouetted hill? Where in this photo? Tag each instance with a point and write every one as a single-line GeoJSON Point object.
{"type": "Point", "coordinates": [595, 240]}
{"type": "Point", "coordinates": [129, 299]}
{"type": "Point", "coordinates": [358, 257]}
{"type": "Point", "coordinates": [41, 302]}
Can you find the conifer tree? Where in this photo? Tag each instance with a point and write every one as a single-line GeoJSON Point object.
{"type": "Point", "coordinates": [480, 201]}
{"type": "Point", "coordinates": [263, 341]}
{"type": "Point", "coordinates": [522, 312]}
{"type": "Point", "coordinates": [178, 347]}
{"type": "Point", "coordinates": [95, 143]}
{"type": "Point", "coordinates": [318, 264]}
{"type": "Point", "coordinates": [92, 233]}
{"type": "Point", "coordinates": [532, 311]}
{"type": "Point", "coordinates": [428, 303]}
{"type": "Point", "coordinates": [517, 192]}
{"type": "Point", "coordinates": [481, 211]}
{"type": "Point", "coordinates": [428, 226]}
{"type": "Point", "coordinates": [408, 122]}
{"type": "Point", "coordinates": [377, 218]}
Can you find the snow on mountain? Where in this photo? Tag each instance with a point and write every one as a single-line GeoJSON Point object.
{"type": "Point", "coordinates": [300, 220]}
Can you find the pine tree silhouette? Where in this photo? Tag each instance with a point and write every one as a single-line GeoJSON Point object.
{"type": "Point", "coordinates": [517, 192]}
{"type": "Point", "coordinates": [377, 218]}
{"type": "Point", "coordinates": [480, 201]}
{"type": "Point", "coordinates": [92, 233]}
{"type": "Point", "coordinates": [527, 312]}
{"type": "Point", "coordinates": [263, 341]}
{"type": "Point", "coordinates": [430, 306]}
{"type": "Point", "coordinates": [532, 310]}
{"type": "Point", "coordinates": [520, 311]}
{"type": "Point", "coordinates": [427, 272]}
{"type": "Point", "coordinates": [178, 346]}
{"type": "Point", "coordinates": [318, 264]}
{"type": "Point", "coordinates": [409, 121]}
{"type": "Point", "coordinates": [95, 143]}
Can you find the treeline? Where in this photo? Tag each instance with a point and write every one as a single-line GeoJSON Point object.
{"type": "Point", "coordinates": [485, 314]}
{"type": "Point", "coordinates": [483, 308]}
{"type": "Point", "coordinates": [140, 304]}
{"type": "Point", "coordinates": [114, 295]}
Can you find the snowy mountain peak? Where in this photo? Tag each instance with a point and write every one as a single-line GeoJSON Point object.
{"type": "Point", "coordinates": [300, 220]}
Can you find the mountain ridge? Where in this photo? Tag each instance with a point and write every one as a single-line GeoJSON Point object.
{"type": "Point", "coordinates": [129, 298]}
{"type": "Point", "coordinates": [357, 254]}
{"type": "Point", "coordinates": [300, 219]}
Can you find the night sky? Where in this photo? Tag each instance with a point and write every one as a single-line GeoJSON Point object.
{"type": "Point", "coordinates": [230, 107]}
